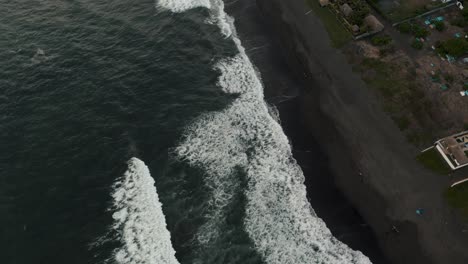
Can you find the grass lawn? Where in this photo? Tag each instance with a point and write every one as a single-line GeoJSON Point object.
{"type": "Point", "coordinates": [432, 160]}
{"type": "Point", "coordinates": [458, 197]}
{"type": "Point", "coordinates": [337, 32]}
{"type": "Point", "coordinates": [403, 99]}
{"type": "Point", "coordinates": [409, 8]}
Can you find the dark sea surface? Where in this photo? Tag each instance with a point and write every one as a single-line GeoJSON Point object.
{"type": "Point", "coordinates": [87, 85]}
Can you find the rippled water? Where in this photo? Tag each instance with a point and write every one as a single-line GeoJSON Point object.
{"type": "Point", "coordinates": [87, 85]}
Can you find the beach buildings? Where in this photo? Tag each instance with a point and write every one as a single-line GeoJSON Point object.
{"type": "Point", "coordinates": [373, 23]}
{"type": "Point", "coordinates": [324, 2]}
{"type": "Point", "coordinates": [454, 150]}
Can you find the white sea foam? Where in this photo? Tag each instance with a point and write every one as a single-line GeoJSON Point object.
{"type": "Point", "coordinates": [179, 6]}
{"type": "Point", "coordinates": [279, 219]}
{"type": "Point", "coordinates": [139, 220]}
{"type": "Point", "coordinates": [216, 7]}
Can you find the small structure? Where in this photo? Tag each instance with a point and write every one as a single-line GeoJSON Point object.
{"type": "Point", "coordinates": [373, 23]}
{"type": "Point", "coordinates": [346, 10]}
{"type": "Point", "coordinates": [324, 3]}
{"type": "Point", "coordinates": [454, 150]}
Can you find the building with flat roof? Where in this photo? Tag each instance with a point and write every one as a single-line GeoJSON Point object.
{"type": "Point", "coordinates": [454, 150]}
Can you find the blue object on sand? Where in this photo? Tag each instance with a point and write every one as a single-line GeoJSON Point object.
{"type": "Point", "coordinates": [427, 22]}
{"type": "Point", "coordinates": [439, 18]}
{"type": "Point", "coordinates": [420, 211]}
{"type": "Point", "coordinates": [450, 58]}
{"type": "Point", "coordinates": [457, 35]}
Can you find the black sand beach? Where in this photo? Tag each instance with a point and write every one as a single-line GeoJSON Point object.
{"type": "Point", "coordinates": [324, 106]}
{"type": "Point", "coordinates": [283, 89]}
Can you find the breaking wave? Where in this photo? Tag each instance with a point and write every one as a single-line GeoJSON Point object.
{"type": "Point", "coordinates": [139, 219]}
{"type": "Point", "coordinates": [218, 16]}
{"type": "Point", "coordinates": [178, 6]}
{"type": "Point", "coordinates": [279, 218]}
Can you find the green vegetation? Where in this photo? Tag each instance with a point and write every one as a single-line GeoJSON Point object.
{"type": "Point", "coordinates": [402, 122]}
{"type": "Point", "coordinates": [432, 160]}
{"type": "Point", "coordinates": [457, 197]}
{"type": "Point", "coordinates": [449, 78]}
{"type": "Point", "coordinates": [381, 40]}
{"type": "Point", "coordinates": [439, 25]}
{"type": "Point", "coordinates": [416, 30]}
{"type": "Point", "coordinates": [404, 27]}
{"type": "Point", "coordinates": [455, 47]}
{"type": "Point", "coordinates": [339, 36]}
{"type": "Point", "coordinates": [410, 8]}
{"type": "Point", "coordinates": [404, 100]}
{"type": "Point", "coordinates": [387, 49]}
{"type": "Point", "coordinates": [360, 10]}
{"type": "Point", "coordinates": [417, 44]}
{"type": "Point", "coordinates": [465, 12]}
{"type": "Point", "coordinates": [419, 31]}
{"type": "Point", "coordinates": [461, 21]}
{"type": "Point", "coordinates": [418, 138]}
{"type": "Point", "coordinates": [465, 126]}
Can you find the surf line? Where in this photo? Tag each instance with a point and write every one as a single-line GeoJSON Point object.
{"type": "Point", "coordinates": [139, 221]}
{"type": "Point", "coordinates": [279, 219]}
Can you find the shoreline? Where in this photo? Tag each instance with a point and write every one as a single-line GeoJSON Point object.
{"type": "Point", "coordinates": [344, 117]}
{"type": "Point", "coordinates": [283, 89]}
{"type": "Point", "coordinates": [360, 137]}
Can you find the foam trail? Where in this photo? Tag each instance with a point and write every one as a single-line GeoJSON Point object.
{"type": "Point", "coordinates": [279, 219]}
{"type": "Point", "coordinates": [139, 219]}
{"type": "Point", "coordinates": [179, 6]}
{"type": "Point", "coordinates": [218, 16]}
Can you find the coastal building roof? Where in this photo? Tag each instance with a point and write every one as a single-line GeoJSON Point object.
{"type": "Point", "coordinates": [454, 149]}
{"type": "Point", "coordinates": [373, 23]}
{"type": "Point", "coordinates": [346, 10]}
{"type": "Point", "coordinates": [324, 2]}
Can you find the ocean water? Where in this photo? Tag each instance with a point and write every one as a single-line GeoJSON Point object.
{"type": "Point", "coordinates": [136, 132]}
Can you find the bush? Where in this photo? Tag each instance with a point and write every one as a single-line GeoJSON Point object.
{"type": "Point", "coordinates": [454, 47]}
{"type": "Point", "coordinates": [416, 30]}
{"type": "Point", "coordinates": [439, 25]}
{"type": "Point", "coordinates": [459, 22]}
{"type": "Point", "coordinates": [360, 10]}
{"type": "Point", "coordinates": [404, 27]}
{"type": "Point", "coordinates": [417, 44]}
{"type": "Point", "coordinates": [402, 122]}
{"type": "Point", "coordinates": [387, 49]}
{"type": "Point", "coordinates": [381, 40]}
{"type": "Point", "coordinates": [465, 126]}
{"type": "Point", "coordinates": [419, 32]}
{"type": "Point", "coordinates": [432, 160]}
{"type": "Point", "coordinates": [449, 78]}
{"type": "Point", "coordinates": [465, 13]}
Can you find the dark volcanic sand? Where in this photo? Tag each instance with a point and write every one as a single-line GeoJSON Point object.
{"type": "Point", "coordinates": [351, 127]}
{"type": "Point", "coordinates": [283, 91]}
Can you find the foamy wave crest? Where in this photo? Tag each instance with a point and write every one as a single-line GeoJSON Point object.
{"type": "Point", "coordinates": [179, 6]}
{"type": "Point", "coordinates": [216, 7]}
{"type": "Point", "coordinates": [279, 219]}
{"type": "Point", "coordinates": [139, 220]}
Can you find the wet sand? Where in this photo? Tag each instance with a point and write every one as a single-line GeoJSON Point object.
{"type": "Point", "coordinates": [327, 111]}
